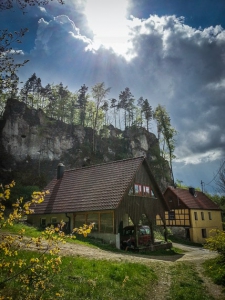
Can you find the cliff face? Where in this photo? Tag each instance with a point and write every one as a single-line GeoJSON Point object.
{"type": "Point", "coordinates": [31, 143]}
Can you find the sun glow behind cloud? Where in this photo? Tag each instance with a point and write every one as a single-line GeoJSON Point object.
{"type": "Point", "coordinates": [107, 19]}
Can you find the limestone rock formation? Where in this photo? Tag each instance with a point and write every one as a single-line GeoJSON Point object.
{"type": "Point", "coordinates": [31, 143]}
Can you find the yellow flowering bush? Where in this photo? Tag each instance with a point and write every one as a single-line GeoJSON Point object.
{"type": "Point", "coordinates": [28, 274]}
{"type": "Point", "coordinates": [216, 241]}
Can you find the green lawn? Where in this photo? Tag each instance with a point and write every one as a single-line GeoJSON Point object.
{"type": "Point", "coordinates": [186, 284]}
{"type": "Point", "coordinates": [82, 278]}
{"type": "Point", "coordinates": [215, 269]}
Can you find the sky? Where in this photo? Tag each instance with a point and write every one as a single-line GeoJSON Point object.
{"type": "Point", "coordinates": [171, 52]}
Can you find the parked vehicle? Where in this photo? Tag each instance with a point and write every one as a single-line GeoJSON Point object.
{"type": "Point", "coordinates": [143, 232]}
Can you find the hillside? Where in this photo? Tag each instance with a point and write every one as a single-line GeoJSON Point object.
{"type": "Point", "coordinates": [32, 145]}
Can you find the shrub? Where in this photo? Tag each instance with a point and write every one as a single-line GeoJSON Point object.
{"type": "Point", "coordinates": [28, 275]}
{"type": "Point", "coordinates": [216, 242]}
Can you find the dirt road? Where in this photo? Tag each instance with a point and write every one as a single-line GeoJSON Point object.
{"type": "Point", "coordinates": [193, 255]}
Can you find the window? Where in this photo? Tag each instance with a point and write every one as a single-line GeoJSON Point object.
{"type": "Point", "coordinates": [80, 220]}
{"type": "Point", "coordinates": [210, 215]}
{"type": "Point", "coordinates": [93, 218]}
{"type": "Point", "coordinates": [146, 190]}
{"type": "Point", "coordinates": [196, 215]}
{"type": "Point", "coordinates": [138, 189]}
{"type": "Point", "coordinates": [54, 220]}
{"type": "Point", "coordinates": [202, 215]}
{"type": "Point", "coordinates": [43, 222]}
{"type": "Point", "coordinates": [172, 215]}
{"type": "Point", "coordinates": [106, 222]}
{"type": "Point", "coordinates": [204, 233]}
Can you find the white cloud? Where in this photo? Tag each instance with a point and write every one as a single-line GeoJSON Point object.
{"type": "Point", "coordinates": [172, 64]}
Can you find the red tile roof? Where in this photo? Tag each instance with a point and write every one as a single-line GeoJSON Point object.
{"type": "Point", "coordinates": [97, 187]}
{"type": "Point", "coordinates": [197, 201]}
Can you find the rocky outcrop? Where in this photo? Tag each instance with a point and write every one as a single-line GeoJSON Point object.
{"type": "Point", "coordinates": [31, 141]}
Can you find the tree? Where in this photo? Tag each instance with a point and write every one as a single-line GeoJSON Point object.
{"type": "Point", "coordinates": [82, 103]}
{"type": "Point", "coordinates": [105, 108]}
{"type": "Point", "coordinates": [27, 276]}
{"type": "Point", "coordinates": [126, 102]}
{"type": "Point", "coordinates": [146, 111]}
{"type": "Point", "coordinates": [8, 67]}
{"type": "Point", "coordinates": [168, 132]}
{"type": "Point", "coordinates": [22, 4]}
{"type": "Point", "coordinates": [31, 91]}
{"type": "Point", "coordinates": [140, 104]}
{"type": "Point", "coordinates": [99, 93]}
{"type": "Point", "coordinates": [220, 181]}
{"type": "Point", "coordinates": [114, 105]}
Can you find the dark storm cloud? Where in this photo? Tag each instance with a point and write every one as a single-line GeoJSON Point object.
{"type": "Point", "coordinates": [183, 68]}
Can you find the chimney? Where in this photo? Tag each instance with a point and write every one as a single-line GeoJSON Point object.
{"type": "Point", "coordinates": [192, 191]}
{"type": "Point", "coordinates": [60, 170]}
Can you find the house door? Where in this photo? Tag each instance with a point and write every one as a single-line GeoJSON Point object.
{"type": "Point", "coordinates": [187, 233]}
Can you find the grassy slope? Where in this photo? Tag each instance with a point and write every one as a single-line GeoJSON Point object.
{"type": "Point", "coordinates": [82, 278]}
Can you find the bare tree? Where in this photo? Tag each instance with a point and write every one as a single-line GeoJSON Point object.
{"type": "Point", "coordinates": [220, 181]}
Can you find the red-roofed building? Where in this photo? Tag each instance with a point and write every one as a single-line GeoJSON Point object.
{"type": "Point", "coordinates": [191, 213]}
{"type": "Point", "coordinates": [108, 194]}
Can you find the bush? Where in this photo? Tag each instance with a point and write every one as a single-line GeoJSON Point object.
{"type": "Point", "coordinates": [28, 275]}
{"type": "Point", "coordinates": [216, 242]}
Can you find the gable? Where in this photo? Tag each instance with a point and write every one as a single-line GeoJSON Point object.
{"type": "Point", "coordinates": [197, 201]}
{"type": "Point", "coordinates": [97, 187]}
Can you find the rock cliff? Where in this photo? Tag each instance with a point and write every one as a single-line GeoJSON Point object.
{"type": "Point", "coordinates": [31, 146]}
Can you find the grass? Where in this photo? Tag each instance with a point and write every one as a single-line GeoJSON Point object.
{"type": "Point", "coordinates": [215, 269]}
{"type": "Point", "coordinates": [186, 284]}
{"type": "Point", "coordinates": [164, 252]}
{"type": "Point", "coordinates": [16, 228]}
{"type": "Point", "coordinates": [88, 241]}
{"type": "Point", "coordinates": [82, 278]}
{"type": "Point", "coordinates": [107, 247]}
{"type": "Point", "coordinates": [91, 279]}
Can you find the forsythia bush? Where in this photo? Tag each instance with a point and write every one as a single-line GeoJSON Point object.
{"type": "Point", "coordinates": [216, 242]}
{"type": "Point", "coordinates": [28, 274]}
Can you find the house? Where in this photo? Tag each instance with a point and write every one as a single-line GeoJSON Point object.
{"type": "Point", "coordinates": [191, 214]}
{"type": "Point", "coordinates": [109, 194]}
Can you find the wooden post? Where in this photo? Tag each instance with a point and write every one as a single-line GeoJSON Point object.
{"type": "Point", "coordinates": [136, 234]}
{"type": "Point", "coordinates": [152, 232]}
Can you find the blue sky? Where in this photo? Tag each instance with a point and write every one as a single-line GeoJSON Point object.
{"type": "Point", "coordinates": [171, 52]}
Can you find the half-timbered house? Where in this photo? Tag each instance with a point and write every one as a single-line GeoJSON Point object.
{"type": "Point", "coordinates": [111, 195]}
{"type": "Point", "coordinates": [191, 214]}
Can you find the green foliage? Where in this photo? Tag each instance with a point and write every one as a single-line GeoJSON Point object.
{"type": "Point", "coordinates": [215, 269]}
{"type": "Point", "coordinates": [20, 191]}
{"type": "Point", "coordinates": [186, 284]}
{"type": "Point", "coordinates": [216, 242]}
{"type": "Point", "coordinates": [8, 67]}
{"type": "Point", "coordinates": [168, 134]}
{"type": "Point", "coordinates": [91, 279]}
{"type": "Point", "coordinates": [220, 201]}
{"type": "Point", "coordinates": [27, 274]}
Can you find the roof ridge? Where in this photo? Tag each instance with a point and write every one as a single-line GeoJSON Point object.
{"type": "Point", "coordinates": [106, 163]}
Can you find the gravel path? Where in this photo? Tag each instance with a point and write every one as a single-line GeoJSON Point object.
{"type": "Point", "coordinates": [161, 264]}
